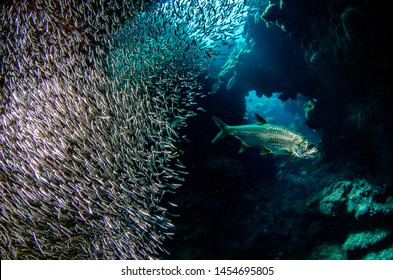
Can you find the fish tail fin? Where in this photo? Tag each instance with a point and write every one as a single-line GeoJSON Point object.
{"type": "Point", "coordinates": [223, 127]}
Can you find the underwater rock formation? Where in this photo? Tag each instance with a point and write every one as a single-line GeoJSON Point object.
{"type": "Point", "coordinates": [328, 252]}
{"type": "Point", "coordinates": [362, 240]}
{"type": "Point", "coordinates": [344, 42]}
{"type": "Point", "coordinates": [386, 254]}
{"type": "Point", "coordinates": [356, 197]}
{"type": "Point", "coordinates": [363, 211]}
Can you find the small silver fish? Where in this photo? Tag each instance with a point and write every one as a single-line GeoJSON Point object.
{"type": "Point", "coordinates": [231, 81]}
{"type": "Point", "coordinates": [269, 138]}
{"type": "Point", "coordinates": [216, 86]}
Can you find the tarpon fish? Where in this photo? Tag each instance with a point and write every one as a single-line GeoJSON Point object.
{"type": "Point", "coordinates": [269, 138]}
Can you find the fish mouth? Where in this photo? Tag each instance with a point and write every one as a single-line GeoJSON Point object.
{"type": "Point", "coordinates": [309, 153]}
{"type": "Point", "coordinates": [306, 151]}
{"type": "Point", "coordinates": [313, 153]}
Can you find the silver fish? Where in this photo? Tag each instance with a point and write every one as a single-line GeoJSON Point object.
{"type": "Point", "coordinates": [216, 86]}
{"type": "Point", "coordinates": [231, 81]}
{"type": "Point", "coordinates": [87, 141]}
{"type": "Point", "coordinates": [269, 138]}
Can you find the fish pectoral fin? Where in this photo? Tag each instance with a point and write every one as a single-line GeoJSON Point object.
{"type": "Point", "coordinates": [265, 151]}
{"type": "Point", "coordinates": [282, 152]}
{"type": "Point", "coordinates": [243, 147]}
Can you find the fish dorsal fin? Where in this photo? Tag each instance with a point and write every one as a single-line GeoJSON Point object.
{"type": "Point", "coordinates": [260, 120]}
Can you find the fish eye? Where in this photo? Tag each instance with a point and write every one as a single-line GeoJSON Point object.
{"type": "Point", "coordinates": [310, 146]}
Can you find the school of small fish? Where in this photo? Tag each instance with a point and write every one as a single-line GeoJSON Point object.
{"type": "Point", "coordinates": [93, 94]}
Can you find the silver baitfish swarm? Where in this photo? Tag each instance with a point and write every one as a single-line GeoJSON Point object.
{"type": "Point", "coordinates": [92, 96]}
